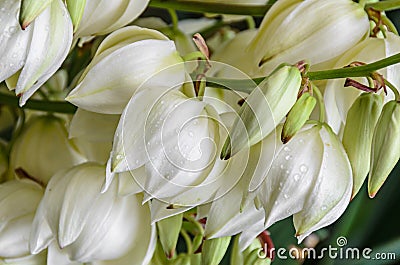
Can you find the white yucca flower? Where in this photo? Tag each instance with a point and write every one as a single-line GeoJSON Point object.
{"type": "Point", "coordinates": [33, 54]}
{"type": "Point", "coordinates": [90, 226]}
{"type": "Point", "coordinates": [129, 59]}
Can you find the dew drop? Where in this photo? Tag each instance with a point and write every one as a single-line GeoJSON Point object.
{"type": "Point", "coordinates": [119, 157]}
{"type": "Point", "coordinates": [297, 177]}
{"type": "Point", "coordinates": [286, 149]}
{"type": "Point", "coordinates": [286, 196]}
{"type": "Point", "coordinates": [276, 203]}
{"type": "Point", "coordinates": [303, 168]}
{"type": "Point", "coordinates": [288, 157]}
{"type": "Point", "coordinates": [323, 208]}
{"type": "Point", "coordinates": [301, 140]}
{"type": "Point", "coordinates": [137, 162]}
{"type": "Point", "coordinates": [282, 166]}
{"type": "Point", "coordinates": [191, 134]}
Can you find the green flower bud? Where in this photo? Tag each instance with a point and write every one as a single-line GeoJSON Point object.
{"type": "Point", "coordinates": [385, 146]}
{"type": "Point", "coordinates": [265, 107]}
{"type": "Point", "coordinates": [357, 137]}
{"type": "Point", "coordinates": [214, 250]}
{"type": "Point", "coordinates": [297, 117]}
{"type": "Point", "coordinates": [30, 9]}
{"type": "Point", "coordinates": [168, 231]}
{"type": "Point", "coordinates": [75, 9]}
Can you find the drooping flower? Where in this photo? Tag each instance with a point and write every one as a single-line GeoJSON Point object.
{"type": "Point", "coordinates": [317, 36]}
{"type": "Point", "coordinates": [310, 178]}
{"type": "Point", "coordinates": [357, 136]}
{"type": "Point", "coordinates": [385, 146]}
{"type": "Point", "coordinates": [171, 148]}
{"type": "Point", "coordinates": [33, 55]}
{"type": "Point", "coordinates": [19, 200]}
{"type": "Point", "coordinates": [128, 60]}
{"type": "Point", "coordinates": [90, 226]}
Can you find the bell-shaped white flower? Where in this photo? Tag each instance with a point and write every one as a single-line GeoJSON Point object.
{"type": "Point", "coordinates": [102, 17]}
{"type": "Point", "coordinates": [339, 99]}
{"type": "Point", "coordinates": [129, 59]}
{"type": "Point", "coordinates": [170, 143]}
{"type": "Point", "coordinates": [294, 30]}
{"type": "Point", "coordinates": [43, 148]}
{"type": "Point", "coordinates": [18, 200]}
{"type": "Point", "coordinates": [91, 226]}
{"type": "Point", "coordinates": [310, 178]}
{"type": "Point", "coordinates": [34, 54]}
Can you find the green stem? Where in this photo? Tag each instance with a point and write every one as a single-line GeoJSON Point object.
{"type": "Point", "coordinates": [43, 105]}
{"type": "Point", "coordinates": [195, 222]}
{"type": "Point", "coordinates": [216, 8]}
{"type": "Point", "coordinates": [174, 18]}
{"type": "Point", "coordinates": [394, 90]}
{"type": "Point", "coordinates": [188, 241]}
{"type": "Point", "coordinates": [358, 71]}
{"type": "Point", "coordinates": [384, 5]}
{"type": "Point", "coordinates": [250, 22]}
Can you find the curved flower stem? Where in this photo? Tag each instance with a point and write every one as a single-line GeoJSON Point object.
{"type": "Point", "coordinates": [218, 8]}
{"type": "Point", "coordinates": [43, 105]}
{"type": "Point", "coordinates": [384, 5]}
{"type": "Point", "coordinates": [174, 18]}
{"type": "Point", "coordinates": [394, 90]}
{"type": "Point", "coordinates": [188, 241]}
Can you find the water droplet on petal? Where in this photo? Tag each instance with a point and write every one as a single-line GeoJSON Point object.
{"type": "Point", "coordinates": [286, 196]}
{"type": "Point", "coordinates": [286, 149]}
{"type": "Point", "coordinates": [303, 168]}
{"type": "Point", "coordinates": [297, 177]}
{"type": "Point", "coordinates": [323, 208]}
{"type": "Point", "coordinates": [288, 157]}
{"type": "Point", "coordinates": [191, 134]}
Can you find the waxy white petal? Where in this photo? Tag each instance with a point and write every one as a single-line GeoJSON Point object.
{"type": "Point", "coordinates": [109, 84]}
{"type": "Point", "coordinates": [49, 46]}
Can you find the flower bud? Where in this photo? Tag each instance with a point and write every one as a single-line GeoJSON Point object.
{"type": "Point", "coordinates": [75, 9]}
{"type": "Point", "coordinates": [357, 137]}
{"type": "Point", "coordinates": [124, 63]}
{"type": "Point", "coordinates": [214, 250]}
{"type": "Point", "coordinates": [385, 146]}
{"type": "Point", "coordinates": [43, 148]}
{"type": "Point", "coordinates": [266, 106]}
{"type": "Point", "coordinates": [293, 30]}
{"type": "Point", "coordinates": [297, 116]}
{"type": "Point", "coordinates": [18, 200]}
{"type": "Point", "coordinates": [168, 232]}
{"type": "Point", "coordinates": [88, 225]}
{"type": "Point", "coordinates": [30, 9]}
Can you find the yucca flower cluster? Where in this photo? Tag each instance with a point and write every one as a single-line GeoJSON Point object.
{"type": "Point", "coordinates": [124, 138]}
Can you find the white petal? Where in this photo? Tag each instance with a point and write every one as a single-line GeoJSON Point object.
{"type": "Point", "coordinates": [13, 41]}
{"type": "Point", "coordinates": [109, 84]}
{"type": "Point", "coordinates": [331, 191]}
{"type": "Point", "coordinates": [291, 175]}
{"type": "Point", "coordinates": [93, 126]}
{"type": "Point", "coordinates": [50, 44]}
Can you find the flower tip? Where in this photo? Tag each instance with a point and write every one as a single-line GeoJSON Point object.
{"type": "Point", "coordinates": [286, 139]}
{"type": "Point", "coordinates": [372, 194]}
